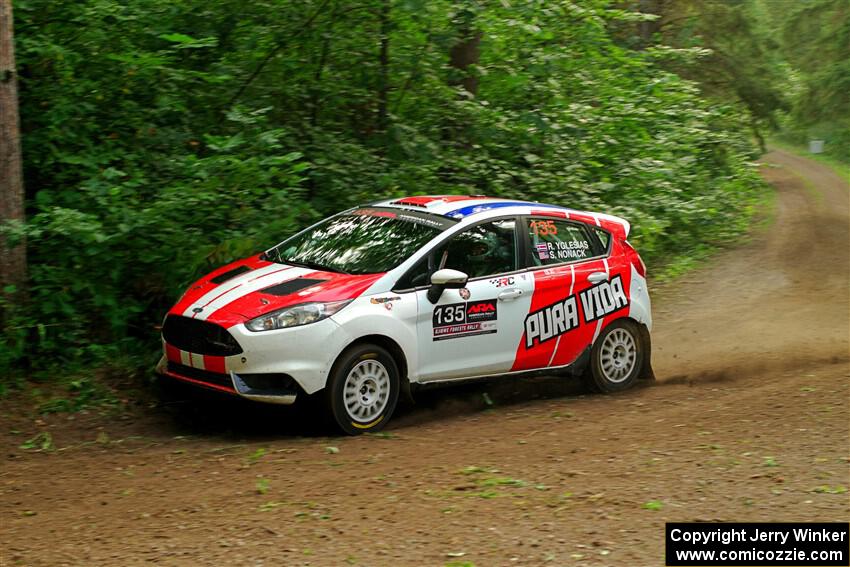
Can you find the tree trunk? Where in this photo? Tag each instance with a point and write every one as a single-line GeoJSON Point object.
{"type": "Point", "coordinates": [466, 53]}
{"type": "Point", "coordinates": [384, 69]}
{"type": "Point", "coordinates": [13, 261]}
{"type": "Point", "coordinates": [754, 125]}
{"type": "Point", "coordinates": [649, 29]}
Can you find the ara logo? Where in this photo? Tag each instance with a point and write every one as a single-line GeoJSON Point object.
{"type": "Point", "coordinates": [481, 310]}
{"type": "Point", "coordinates": [603, 299]}
{"type": "Point", "coordinates": [481, 307]}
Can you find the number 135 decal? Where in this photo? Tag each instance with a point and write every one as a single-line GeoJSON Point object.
{"type": "Point", "coordinates": [450, 314]}
{"type": "Point", "coordinates": [544, 227]}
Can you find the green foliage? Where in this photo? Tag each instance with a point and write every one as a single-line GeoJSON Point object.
{"type": "Point", "coordinates": [729, 49]}
{"type": "Point", "coordinates": [815, 39]}
{"type": "Point", "coordinates": [82, 392]}
{"type": "Point", "coordinates": [41, 442]}
{"type": "Point", "coordinates": [163, 139]}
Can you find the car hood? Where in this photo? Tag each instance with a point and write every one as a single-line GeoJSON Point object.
{"type": "Point", "coordinates": [252, 287]}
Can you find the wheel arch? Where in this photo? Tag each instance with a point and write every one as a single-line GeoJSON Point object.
{"type": "Point", "coordinates": [646, 372]}
{"type": "Point", "coordinates": [395, 350]}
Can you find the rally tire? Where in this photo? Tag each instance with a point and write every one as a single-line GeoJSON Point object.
{"type": "Point", "coordinates": [616, 359]}
{"type": "Point", "coordinates": [363, 389]}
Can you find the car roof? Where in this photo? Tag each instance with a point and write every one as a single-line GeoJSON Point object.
{"type": "Point", "coordinates": [460, 206]}
{"type": "Point", "coordinates": [469, 207]}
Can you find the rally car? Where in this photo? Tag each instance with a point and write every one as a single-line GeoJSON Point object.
{"type": "Point", "coordinates": [382, 298]}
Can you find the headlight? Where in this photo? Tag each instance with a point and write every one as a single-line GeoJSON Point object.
{"type": "Point", "coordinates": [295, 316]}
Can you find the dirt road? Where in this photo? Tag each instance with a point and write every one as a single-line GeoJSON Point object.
{"type": "Point", "coordinates": [748, 421]}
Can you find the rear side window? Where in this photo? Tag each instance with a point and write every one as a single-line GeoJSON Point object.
{"type": "Point", "coordinates": [604, 237]}
{"type": "Point", "coordinates": [556, 242]}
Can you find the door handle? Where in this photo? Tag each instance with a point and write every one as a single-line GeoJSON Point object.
{"type": "Point", "coordinates": [510, 294]}
{"type": "Point", "coordinates": [597, 277]}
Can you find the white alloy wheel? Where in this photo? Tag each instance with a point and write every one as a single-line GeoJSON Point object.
{"type": "Point", "coordinates": [616, 358]}
{"type": "Point", "coordinates": [366, 390]}
{"type": "Point", "coordinates": [618, 355]}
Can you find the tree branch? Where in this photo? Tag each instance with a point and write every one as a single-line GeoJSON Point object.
{"type": "Point", "coordinates": [274, 52]}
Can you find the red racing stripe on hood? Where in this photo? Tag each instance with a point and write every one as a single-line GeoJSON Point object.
{"type": "Point", "coordinates": [204, 285]}
{"type": "Point", "coordinates": [331, 287]}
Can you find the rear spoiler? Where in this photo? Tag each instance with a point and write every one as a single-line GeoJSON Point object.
{"type": "Point", "coordinates": [620, 228]}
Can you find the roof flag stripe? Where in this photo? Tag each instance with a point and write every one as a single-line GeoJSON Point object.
{"type": "Point", "coordinates": [472, 209]}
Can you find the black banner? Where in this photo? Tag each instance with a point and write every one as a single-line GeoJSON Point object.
{"type": "Point", "coordinates": [763, 544]}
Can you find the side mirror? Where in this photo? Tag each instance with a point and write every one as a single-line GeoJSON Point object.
{"type": "Point", "coordinates": [445, 279]}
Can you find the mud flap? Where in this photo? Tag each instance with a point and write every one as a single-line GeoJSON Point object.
{"type": "Point", "coordinates": [581, 365]}
{"type": "Point", "coordinates": [646, 373]}
{"type": "Point", "coordinates": [407, 391]}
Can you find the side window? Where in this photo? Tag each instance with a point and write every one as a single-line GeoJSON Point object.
{"type": "Point", "coordinates": [604, 237]}
{"type": "Point", "coordinates": [418, 275]}
{"type": "Point", "coordinates": [483, 250]}
{"type": "Point", "coordinates": [556, 242]}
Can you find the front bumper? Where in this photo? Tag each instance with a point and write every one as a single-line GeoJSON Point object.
{"type": "Point", "coordinates": [272, 366]}
{"type": "Point", "coordinates": [273, 389]}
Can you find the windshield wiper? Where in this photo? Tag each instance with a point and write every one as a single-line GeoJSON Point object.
{"type": "Point", "coordinates": [311, 265]}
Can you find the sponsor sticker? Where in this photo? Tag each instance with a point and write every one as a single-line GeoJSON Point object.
{"type": "Point", "coordinates": [374, 213]}
{"type": "Point", "coordinates": [387, 302]}
{"type": "Point", "coordinates": [562, 316]}
{"type": "Point", "coordinates": [465, 319]}
{"type": "Point", "coordinates": [503, 282]}
{"type": "Point", "coordinates": [420, 220]}
{"type": "Point", "coordinates": [603, 299]}
{"type": "Point", "coordinates": [379, 300]}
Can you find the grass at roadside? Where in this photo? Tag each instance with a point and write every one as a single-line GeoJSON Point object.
{"type": "Point", "coordinates": [842, 168]}
{"type": "Point", "coordinates": [107, 389]}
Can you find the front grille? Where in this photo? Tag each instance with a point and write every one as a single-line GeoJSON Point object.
{"type": "Point", "coordinates": [200, 337]}
{"type": "Point", "coordinates": [202, 375]}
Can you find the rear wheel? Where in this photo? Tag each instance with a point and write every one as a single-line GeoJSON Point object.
{"type": "Point", "coordinates": [363, 389]}
{"type": "Point", "coordinates": [617, 357]}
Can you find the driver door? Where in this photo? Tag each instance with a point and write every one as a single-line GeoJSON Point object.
{"type": "Point", "coordinates": [475, 330]}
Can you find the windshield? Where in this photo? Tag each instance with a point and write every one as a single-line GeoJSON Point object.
{"type": "Point", "coordinates": [364, 241]}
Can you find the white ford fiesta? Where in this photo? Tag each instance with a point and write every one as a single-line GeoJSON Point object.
{"type": "Point", "coordinates": [379, 299]}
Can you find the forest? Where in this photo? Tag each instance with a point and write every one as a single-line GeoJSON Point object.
{"type": "Point", "coordinates": [160, 139]}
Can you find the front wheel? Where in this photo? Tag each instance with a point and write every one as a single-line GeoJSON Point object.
{"type": "Point", "coordinates": [363, 389]}
{"type": "Point", "coordinates": [617, 357]}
